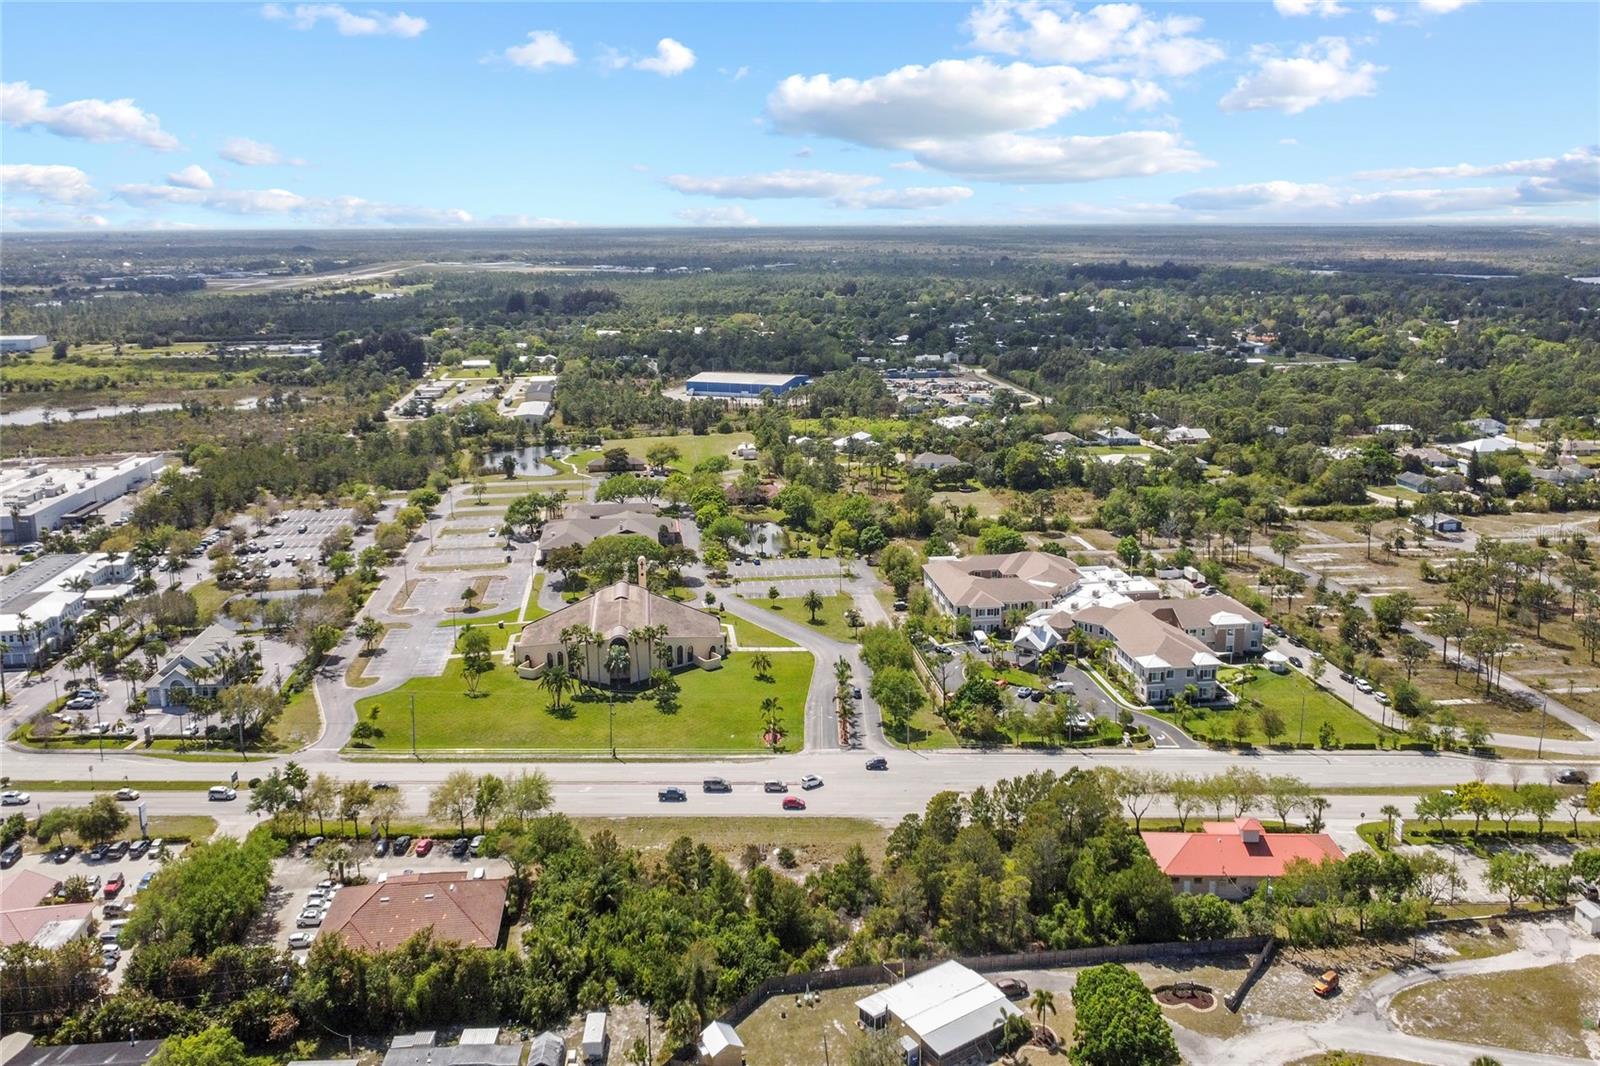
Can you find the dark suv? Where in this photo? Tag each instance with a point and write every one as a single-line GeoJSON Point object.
{"type": "Point", "coordinates": [715, 784]}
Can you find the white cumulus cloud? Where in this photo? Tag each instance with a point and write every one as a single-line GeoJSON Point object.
{"type": "Point", "coordinates": [732, 215]}
{"type": "Point", "coordinates": [1320, 73]}
{"type": "Point", "coordinates": [671, 59]}
{"type": "Point", "coordinates": [53, 182]}
{"type": "Point", "coordinates": [193, 176]}
{"type": "Point", "coordinates": [320, 210]}
{"type": "Point", "coordinates": [1385, 15]}
{"type": "Point", "coordinates": [348, 23]}
{"type": "Point", "coordinates": [1321, 8]}
{"type": "Point", "coordinates": [100, 121]}
{"type": "Point", "coordinates": [1442, 7]}
{"type": "Point", "coordinates": [914, 198]}
{"type": "Point", "coordinates": [544, 48]}
{"type": "Point", "coordinates": [248, 153]}
{"type": "Point", "coordinates": [948, 100]}
{"type": "Point", "coordinates": [1115, 37]}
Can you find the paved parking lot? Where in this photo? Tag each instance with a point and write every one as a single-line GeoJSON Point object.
{"type": "Point", "coordinates": [284, 542]}
{"type": "Point", "coordinates": [786, 568]}
{"type": "Point", "coordinates": [132, 871]}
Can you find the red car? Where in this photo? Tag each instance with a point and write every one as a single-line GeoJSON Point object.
{"type": "Point", "coordinates": [793, 803]}
{"type": "Point", "coordinates": [424, 845]}
{"type": "Point", "coordinates": [114, 885]}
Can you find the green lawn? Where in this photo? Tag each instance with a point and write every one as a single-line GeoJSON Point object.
{"type": "Point", "coordinates": [691, 448]}
{"type": "Point", "coordinates": [829, 620]}
{"type": "Point", "coordinates": [299, 724]}
{"type": "Point", "coordinates": [1284, 693]}
{"type": "Point", "coordinates": [718, 712]}
{"type": "Point", "coordinates": [753, 636]}
{"type": "Point", "coordinates": [927, 730]}
{"type": "Point", "coordinates": [501, 630]}
{"type": "Point", "coordinates": [532, 612]}
{"type": "Point", "coordinates": [208, 599]}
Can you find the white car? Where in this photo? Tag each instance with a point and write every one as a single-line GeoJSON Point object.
{"type": "Point", "coordinates": [301, 941]}
{"type": "Point", "coordinates": [810, 781]}
{"type": "Point", "coordinates": [13, 798]}
{"type": "Point", "coordinates": [1061, 686]}
{"type": "Point", "coordinates": [309, 918]}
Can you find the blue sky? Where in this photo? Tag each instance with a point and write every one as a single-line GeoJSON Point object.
{"type": "Point", "coordinates": [993, 112]}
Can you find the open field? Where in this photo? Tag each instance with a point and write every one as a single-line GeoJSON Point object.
{"type": "Point", "coordinates": [719, 712]}
{"type": "Point", "coordinates": [815, 841]}
{"type": "Point", "coordinates": [1539, 1010]}
{"type": "Point", "coordinates": [751, 635]}
{"type": "Point", "coordinates": [1286, 694]}
{"type": "Point", "coordinates": [691, 449]}
{"type": "Point", "coordinates": [300, 723]}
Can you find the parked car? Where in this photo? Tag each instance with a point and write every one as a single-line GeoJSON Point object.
{"type": "Point", "coordinates": [402, 844]}
{"type": "Point", "coordinates": [96, 853]}
{"type": "Point", "coordinates": [810, 781]}
{"type": "Point", "coordinates": [855, 691]}
{"type": "Point", "coordinates": [158, 848]}
{"type": "Point", "coordinates": [775, 786]}
{"type": "Point", "coordinates": [63, 853]}
{"type": "Point", "coordinates": [459, 847]}
{"type": "Point", "coordinates": [793, 803]}
{"type": "Point", "coordinates": [12, 798]}
{"type": "Point", "coordinates": [137, 849]}
{"type": "Point", "coordinates": [1381, 697]}
{"type": "Point", "coordinates": [1327, 984]}
{"type": "Point", "coordinates": [715, 784]}
{"type": "Point", "coordinates": [117, 849]}
{"type": "Point", "coordinates": [1294, 661]}
{"type": "Point", "coordinates": [1061, 686]}
{"type": "Point", "coordinates": [475, 846]}
{"type": "Point", "coordinates": [672, 794]}
{"type": "Point", "coordinates": [115, 885]}
{"type": "Point", "coordinates": [9, 857]}
{"type": "Point", "coordinates": [311, 845]}
{"type": "Point", "coordinates": [309, 918]}
{"type": "Point", "coordinates": [877, 763]}
{"type": "Point", "coordinates": [127, 794]}
{"type": "Point", "coordinates": [301, 941]}
{"type": "Point", "coordinates": [383, 786]}
{"type": "Point", "coordinates": [1572, 776]}
{"type": "Point", "coordinates": [144, 882]}
{"type": "Point", "coordinates": [381, 848]}
{"type": "Point", "coordinates": [1345, 675]}
{"type": "Point", "coordinates": [1012, 987]}
{"type": "Point", "coordinates": [1363, 685]}
{"type": "Point", "coordinates": [1024, 692]}
{"type": "Point", "coordinates": [424, 846]}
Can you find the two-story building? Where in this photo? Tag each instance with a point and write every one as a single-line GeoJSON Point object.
{"type": "Point", "coordinates": [42, 600]}
{"type": "Point", "coordinates": [1158, 660]}
{"type": "Point", "coordinates": [1223, 624]}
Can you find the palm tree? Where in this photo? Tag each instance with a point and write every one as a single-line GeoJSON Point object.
{"type": "Point", "coordinates": [1391, 814]}
{"type": "Point", "coordinates": [1043, 1004]}
{"type": "Point", "coordinates": [772, 722]}
{"type": "Point", "coordinates": [852, 618]}
{"type": "Point", "coordinates": [557, 681]}
{"type": "Point", "coordinates": [618, 662]}
{"type": "Point", "coordinates": [761, 663]}
{"type": "Point", "coordinates": [812, 601]}
{"type": "Point", "coordinates": [842, 671]}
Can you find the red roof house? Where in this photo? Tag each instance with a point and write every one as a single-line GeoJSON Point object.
{"type": "Point", "coordinates": [455, 906]}
{"type": "Point", "coordinates": [1229, 859]}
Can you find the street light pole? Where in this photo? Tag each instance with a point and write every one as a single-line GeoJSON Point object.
{"type": "Point", "coordinates": [1544, 713]}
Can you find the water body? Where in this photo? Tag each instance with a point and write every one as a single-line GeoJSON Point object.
{"type": "Point", "coordinates": [766, 539]}
{"type": "Point", "coordinates": [1587, 281]}
{"type": "Point", "coordinates": [38, 416]}
{"type": "Point", "coordinates": [1480, 277]}
{"type": "Point", "coordinates": [530, 461]}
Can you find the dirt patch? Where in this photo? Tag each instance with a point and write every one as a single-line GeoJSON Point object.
{"type": "Point", "coordinates": [1284, 991]}
{"type": "Point", "coordinates": [1538, 1010]}
{"type": "Point", "coordinates": [401, 598]}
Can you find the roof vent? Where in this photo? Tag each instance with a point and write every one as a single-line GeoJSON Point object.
{"type": "Point", "coordinates": [383, 899]}
{"type": "Point", "coordinates": [427, 895]}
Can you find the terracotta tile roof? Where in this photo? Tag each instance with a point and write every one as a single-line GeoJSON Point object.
{"type": "Point", "coordinates": [617, 610]}
{"type": "Point", "coordinates": [1221, 850]}
{"type": "Point", "coordinates": [25, 888]}
{"type": "Point", "coordinates": [384, 915]}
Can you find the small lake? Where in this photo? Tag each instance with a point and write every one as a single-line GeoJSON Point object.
{"type": "Point", "coordinates": [530, 461]}
{"type": "Point", "coordinates": [766, 539]}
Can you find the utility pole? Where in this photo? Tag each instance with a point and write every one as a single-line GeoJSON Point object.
{"type": "Point", "coordinates": [1544, 713]}
{"type": "Point", "coordinates": [1302, 718]}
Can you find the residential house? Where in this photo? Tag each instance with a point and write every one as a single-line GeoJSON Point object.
{"type": "Point", "coordinates": [1485, 445]}
{"type": "Point", "coordinates": [1563, 474]}
{"type": "Point", "coordinates": [1438, 523]}
{"type": "Point", "coordinates": [1230, 859]}
{"type": "Point", "coordinates": [853, 442]}
{"type": "Point", "coordinates": [1426, 483]}
{"type": "Point", "coordinates": [1062, 440]}
{"type": "Point", "coordinates": [1186, 435]}
{"type": "Point", "coordinates": [1159, 660]}
{"type": "Point", "coordinates": [631, 464]}
{"type": "Point", "coordinates": [1485, 427]}
{"type": "Point", "coordinates": [1118, 437]}
{"type": "Point", "coordinates": [934, 461]}
{"type": "Point", "coordinates": [1392, 427]}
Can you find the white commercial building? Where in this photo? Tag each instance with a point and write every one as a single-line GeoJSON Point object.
{"type": "Point", "coordinates": [950, 1012]}
{"type": "Point", "coordinates": [532, 413]}
{"type": "Point", "coordinates": [37, 499]}
{"type": "Point", "coordinates": [23, 342]}
{"type": "Point", "coordinates": [40, 601]}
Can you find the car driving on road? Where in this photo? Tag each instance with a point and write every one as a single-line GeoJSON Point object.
{"type": "Point", "coordinates": [793, 803]}
{"type": "Point", "coordinates": [12, 798]}
{"type": "Point", "coordinates": [672, 794]}
{"type": "Point", "coordinates": [715, 784]}
{"type": "Point", "coordinates": [810, 781]}
{"type": "Point", "coordinates": [878, 763]}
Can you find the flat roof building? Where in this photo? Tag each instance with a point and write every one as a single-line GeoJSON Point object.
{"type": "Point", "coordinates": [37, 499]}
{"type": "Point", "coordinates": [950, 1011]}
{"type": "Point", "coordinates": [747, 386]}
{"type": "Point", "coordinates": [40, 601]}
{"type": "Point", "coordinates": [23, 342]}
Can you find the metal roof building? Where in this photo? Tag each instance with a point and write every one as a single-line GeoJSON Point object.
{"type": "Point", "coordinates": [950, 1011]}
{"type": "Point", "coordinates": [728, 383]}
